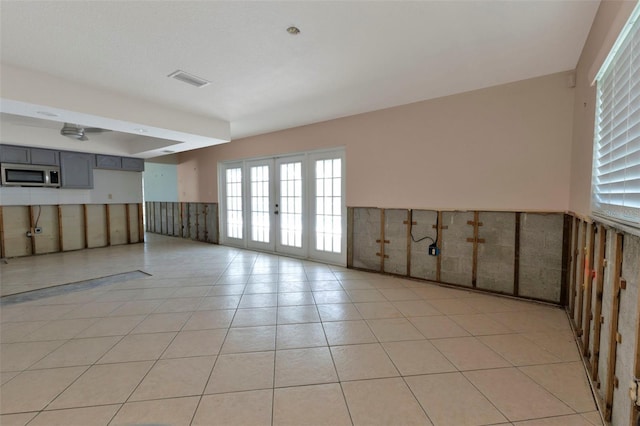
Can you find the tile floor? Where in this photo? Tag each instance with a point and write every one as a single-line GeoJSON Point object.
{"type": "Point", "coordinates": [218, 335]}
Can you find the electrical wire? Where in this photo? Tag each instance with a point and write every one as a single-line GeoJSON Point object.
{"type": "Point", "coordinates": [38, 219]}
{"type": "Point", "coordinates": [426, 237]}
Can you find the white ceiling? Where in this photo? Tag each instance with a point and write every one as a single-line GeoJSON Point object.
{"type": "Point", "coordinates": [350, 57]}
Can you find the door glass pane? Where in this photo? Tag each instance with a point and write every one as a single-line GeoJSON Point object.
{"type": "Point", "coordinates": [329, 205]}
{"type": "Point", "coordinates": [291, 204]}
{"type": "Point", "coordinates": [234, 202]}
{"type": "Point", "coordinates": [260, 226]}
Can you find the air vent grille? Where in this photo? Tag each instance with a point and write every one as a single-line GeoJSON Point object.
{"type": "Point", "coordinates": [191, 79]}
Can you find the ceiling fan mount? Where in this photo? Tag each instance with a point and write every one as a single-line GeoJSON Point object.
{"type": "Point", "coordinates": [75, 131]}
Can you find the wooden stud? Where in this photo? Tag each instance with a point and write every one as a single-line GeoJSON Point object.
{"type": "Point", "coordinates": [602, 245]}
{"type": "Point", "coordinates": [407, 222]}
{"type": "Point", "coordinates": [618, 337]}
{"type": "Point", "coordinates": [60, 231]}
{"type": "Point", "coordinates": [206, 231]}
{"type": "Point", "coordinates": [107, 212]}
{"type": "Point", "coordinates": [474, 269]}
{"type": "Point", "coordinates": [166, 218]}
{"type": "Point", "coordinates": [197, 222]}
{"type": "Point", "coordinates": [516, 258]}
{"type": "Point", "coordinates": [2, 255]}
{"type": "Point", "coordinates": [32, 230]}
{"type": "Point", "coordinates": [128, 222]}
{"type": "Point", "coordinates": [623, 284]}
{"type": "Point", "coordinates": [615, 311]}
{"type": "Point", "coordinates": [140, 224]}
{"type": "Point", "coordinates": [588, 291]}
{"type": "Point", "coordinates": [577, 322]}
{"type": "Point", "coordinates": [381, 254]}
{"type": "Point", "coordinates": [635, 410]}
{"type": "Point", "coordinates": [572, 283]}
{"type": "Point", "coordinates": [439, 245]}
{"type": "Point", "coordinates": [85, 225]}
{"type": "Point", "coordinates": [566, 259]}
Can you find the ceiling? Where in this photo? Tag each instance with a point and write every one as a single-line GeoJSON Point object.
{"type": "Point", "coordinates": [350, 57]}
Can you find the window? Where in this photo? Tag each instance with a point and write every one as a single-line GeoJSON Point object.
{"type": "Point", "coordinates": [234, 202]}
{"type": "Point", "coordinates": [616, 159]}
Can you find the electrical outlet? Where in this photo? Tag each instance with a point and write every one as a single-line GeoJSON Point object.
{"type": "Point", "coordinates": [37, 230]}
{"type": "Point", "coordinates": [434, 250]}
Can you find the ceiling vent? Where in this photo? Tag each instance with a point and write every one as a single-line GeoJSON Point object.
{"type": "Point", "coordinates": [191, 79]}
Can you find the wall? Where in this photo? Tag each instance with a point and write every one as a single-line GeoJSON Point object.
{"type": "Point", "coordinates": [611, 17]}
{"type": "Point", "coordinates": [160, 182]}
{"type": "Point", "coordinates": [501, 148]}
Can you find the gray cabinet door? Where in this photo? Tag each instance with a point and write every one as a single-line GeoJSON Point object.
{"type": "Point", "coordinates": [108, 162]}
{"type": "Point", "coordinates": [45, 157]}
{"type": "Point", "coordinates": [133, 164]}
{"type": "Point", "coordinates": [14, 154]}
{"type": "Point", "coordinates": [77, 170]}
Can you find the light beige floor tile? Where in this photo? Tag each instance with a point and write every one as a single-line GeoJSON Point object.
{"type": "Point", "coordinates": [20, 356]}
{"type": "Point", "coordinates": [416, 308]}
{"type": "Point", "coordinates": [338, 312]}
{"type": "Point", "coordinates": [442, 396]}
{"type": "Point", "coordinates": [93, 310]}
{"type": "Point", "coordinates": [138, 347]}
{"type": "Point", "coordinates": [219, 302]}
{"type": "Point", "coordinates": [348, 333]}
{"type": "Point", "coordinates": [267, 300]}
{"type": "Point", "coordinates": [518, 350]}
{"type": "Point", "coordinates": [383, 402]}
{"type": "Point", "coordinates": [209, 319]}
{"type": "Point", "coordinates": [102, 385]}
{"type": "Point", "coordinates": [308, 335]}
{"type": "Point", "coordinates": [438, 327]}
{"type": "Point", "coordinates": [293, 287]}
{"type": "Point", "coordinates": [238, 372]}
{"type": "Point", "coordinates": [468, 353]}
{"type": "Point", "coordinates": [417, 357]}
{"type": "Point", "coordinates": [358, 296]}
{"type": "Point", "coordinates": [561, 344]}
{"type": "Point", "coordinates": [16, 419]}
{"type": "Point", "coordinates": [324, 285]}
{"type": "Point", "coordinates": [297, 367]}
{"type": "Point", "coordinates": [593, 418]}
{"type": "Point", "coordinates": [194, 291]}
{"type": "Point", "coordinates": [296, 299]}
{"type": "Point", "coordinates": [567, 381]}
{"type": "Point", "coordinates": [330, 297]}
{"type": "Point", "coordinates": [378, 310]}
{"type": "Point", "coordinates": [33, 390]}
{"type": "Point", "coordinates": [236, 279]}
{"type": "Point", "coordinates": [516, 395]}
{"type": "Point", "coordinates": [394, 330]}
{"type": "Point", "coordinates": [310, 405]}
{"type": "Point", "coordinates": [113, 326]}
{"type": "Point", "coordinates": [453, 306]}
{"type": "Point", "coordinates": [8, 375]}
{"type": "Point", "coordinates": [171, 378]}
{"type": "Point", "coordinates": [398, 294]}
{"type": "Point", "coordinates": [250, 339]}
{"type": "Point", "coordinates": [157, 323]}
{"type": "Point", "coordinates": [88, 416]}
{"type": "Point", "coordinates": [258, 288]}
{"type": "Point", "coordinates": [226, 290]}
{"type": "Point", "coordinates": [174, 412]}
{"type": "Point", "coordinates": [232, 409]}
{"type": "Point", "coordinates": [435, 292]}
{"type": "Point", "coordinates": [361, 283]}
{"type": "Point", "coordinates": [78, 352]}
{"type": "Point", "coordinates": [180, 304]}
{"type": "Point", "coordinates": [154, 293]}
{"type": "Point", "coordinates": [358, 362]}
{"type": "Point", "coordinates": [60, 329]}
{"type": "Point", "coordinates": [196, 343]}
{"type": "Point", "coordinates": [136, 307]}
{"type": "Point", "coordinates": [480, 324]}
{"type": "Point", "coordinates": [572, 420]}
{"type": "Point", "coordinates": [297, 314]}
{"type": "Point", "coordinates": [253, 317]}
{"type": "Point", "coordinates": [11, 332]}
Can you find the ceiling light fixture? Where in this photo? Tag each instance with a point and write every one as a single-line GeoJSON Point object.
{"type": "Point", "coordinates": [293, 30]}
{"type": "Point", "coordinates": [47, 113]}
{"type": "Point", "coordinates": [191, 79]}
{"type": "Point", "coordinates": [140, 130]}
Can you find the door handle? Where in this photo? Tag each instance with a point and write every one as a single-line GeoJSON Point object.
{"type": "Point", "coordinates": [277, 211]}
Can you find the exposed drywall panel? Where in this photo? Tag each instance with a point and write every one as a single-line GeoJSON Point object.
{"type": "Point", "coordinates": [185, 220]}
{"type": "Point", "coordinates": [160, 182]}
{"type": "Point", "coordinates": [496, 256]}
{"type": "Point", "coordinates": [169, 213]}
{"type": "Point", "coordinates": [16, 225]}
{"type": "Point", "coordinates": [457, 252]}
{"type": "Point", "coordinates": [541, 237]}
{"type": "Point", "coordinates": [46, 217]}
{"type": "Point", "coordinates": [212, 223]}
{"type": "Point", "coordinates": [201, 209]}
{"type": "Point", "coordinates": [134, 233]}
{"type": "Point", "coordinates": [72, 227]}
{"type": "Point", "coordinates": [157, 217]}
{"type": "Point", "coordinates": [423, 265]}
{"type": "Point", "coordinates": [96, 225]}
{"type": "Point", "coordinates": [114, 186]}
{"type": "Point", "coordinates": [366, 238]}
{"type": "Point", "coordinates": [193, 221]}
{"type": "Point", "coordinates": [177, 220]}
{"type": "Point", "coordinates": [395, 241]}
{"type": "Point", "coordinates": [118, 224]}
{"type": "Point", "coordinates": [579, 267]}
{"type": "Point", "coordinates": [627, 322]}
{"type": "Point", "coordinates": [163, 218]}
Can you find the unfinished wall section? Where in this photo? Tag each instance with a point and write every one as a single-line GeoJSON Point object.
{"type": "Point", "coordinates": [496, 251]}
{"type": "Point", "coordinates": [67, 227]}
{"type": "Point", "coordinates": [194, 221]}
{"type": "Point", "coordinates": [367, 238]}
{"type": "Point", "coordinates": [426, 232]}
{"type": "Point", "coordinates": [396, 224]}
{"type": "Point", "coordinates": [541, 243]}
{"type": "Point", "coordinates": [457, 252]}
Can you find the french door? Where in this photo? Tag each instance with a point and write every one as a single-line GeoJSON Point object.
{"type": "Point", "coordinates": [292, 205]}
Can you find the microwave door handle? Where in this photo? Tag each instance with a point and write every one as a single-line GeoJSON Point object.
{"type": "Point", "coordinates": [47, 177]}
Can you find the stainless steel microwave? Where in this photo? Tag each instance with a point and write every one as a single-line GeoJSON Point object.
{"type": "Point", "coordinates": [30, 175]}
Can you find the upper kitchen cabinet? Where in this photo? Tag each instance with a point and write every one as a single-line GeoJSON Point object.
{"type": "Point", "coordinates": [133, 164]}
{"type": "Point", "coordinates": [15, 154]}
{"type": "Point", "coordinates": [45, 157]}
{"type": "Point", "coordinates": [77, 170]}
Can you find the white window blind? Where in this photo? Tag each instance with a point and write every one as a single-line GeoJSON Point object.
{"type": "Point", "coordinates": [616, 165]}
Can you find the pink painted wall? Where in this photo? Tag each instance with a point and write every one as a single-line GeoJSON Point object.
{"type": "Point", "coordinates": [502, 148]}
{"type": "Point", "coordinates": [611, 17]}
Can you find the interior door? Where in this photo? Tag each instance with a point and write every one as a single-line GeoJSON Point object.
{"type": "Point", "coordinates": [261, 206]}
{"type": "Point", "coordinates": [290, 206]}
